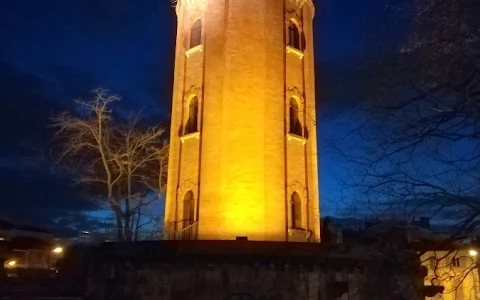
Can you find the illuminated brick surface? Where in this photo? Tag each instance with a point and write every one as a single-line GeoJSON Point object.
{"type": "Point", "coordinates": [242, 167]}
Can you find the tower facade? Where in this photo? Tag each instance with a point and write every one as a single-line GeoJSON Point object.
{"type": "Point", "coordinates": [243, 150]}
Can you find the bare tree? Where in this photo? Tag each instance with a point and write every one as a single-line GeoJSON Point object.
{"type": "Point", "coordinates": [144, 162]}
{"type": "Point", "coordinates": [415, 146]}
{"type": "Point", "coordinates": [122, 163]}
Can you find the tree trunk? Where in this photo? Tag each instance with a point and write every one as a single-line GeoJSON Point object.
{"type": "Point", "coordinates": [117, 207]}
{"type": "Point", "coordinates": [137, 226]}
{"type": "Point", "coordinates": [128, 212]}
{"type": "Point", "coordinates": [119, 227]}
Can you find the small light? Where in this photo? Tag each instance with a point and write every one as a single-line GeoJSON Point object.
{"type": "Point", "coordinates": [12, 263]}
{"type": "Point", "coordinates": [472, 252]}
{"type": "Point", "coordinates": [58, 250]}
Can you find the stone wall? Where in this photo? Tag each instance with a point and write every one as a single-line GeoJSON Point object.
{"type": "Point", "coordinates": [262, 271]}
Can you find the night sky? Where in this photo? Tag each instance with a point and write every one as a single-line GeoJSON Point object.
{"type": "Point", "coordinates": [54, 51]}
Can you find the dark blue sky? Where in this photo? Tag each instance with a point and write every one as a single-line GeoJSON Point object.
{"type": "Point", "coordinates": [55, 51]}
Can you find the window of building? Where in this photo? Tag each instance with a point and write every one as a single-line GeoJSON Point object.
{"type": "Point", "coordinates": [293, 36]}
{"type": "Point", "coordinates": [296, 211]}
{"type": "Point", "coordinates": [456, 262]}
{"type": "Point", "coordinates": [295, 125]}
{"type": "Point", "coordinates": [188, 209]}
{"type": "Point", "coordinates": [192, 122]}
{"type": "Point", "coordinates": [432, 262]}
{"type": "Point", "coordinates": [196, 34]}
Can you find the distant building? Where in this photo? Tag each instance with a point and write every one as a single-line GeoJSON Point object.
{"type": "Point", "coordinates": [28, 247]}
{"type": "Point", "coordinates": [10, 231]}
{"type": "Point", "coordinates": [454, 269]}
{"type": "Point", "coordinates": [450, 263]}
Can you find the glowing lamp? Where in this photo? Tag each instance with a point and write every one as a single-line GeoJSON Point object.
{"type": "Point", "coordinates": [11, 264]}
{"type": "Point", "coordinates": [58, 250]}
{"type": "Point", "coordinates": [473, 252]}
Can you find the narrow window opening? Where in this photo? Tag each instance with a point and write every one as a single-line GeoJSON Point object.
{"type": "Point", "coordinates": [296, 211]}
{"type": "Point", "coordinates": [293, 36]}
{"type": "Point", "coordinates": [196, 34]}
{"type": "Point", "coordinates": [188, 209]}
{"type": "Point", "coordinates": [295, 125]}
{"type": "Point", "coordinates": [456, 262]}
{"type": "Point", "coordinates": [192, 122]}
{"type": "Point", "coordinates": [432, 262]}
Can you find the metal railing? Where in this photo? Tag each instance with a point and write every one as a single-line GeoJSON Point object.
{"type": "Point", "coordinates": [181, 230]}
{"type": "Point", "coordinates": [112, 235]}
{"type": "Point", "coordinates": [188, 232]}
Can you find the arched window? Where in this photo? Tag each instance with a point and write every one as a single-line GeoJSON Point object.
{"type": "Point", "coordinates": [296, 211]}
{"type": "Point", "coordinates": [196, 34]}
{"type": "Point", "coordinates": [188, 209]}
{"type": "Point", "coordinates": [192, 122]}
{"type": "Point", "coordinates": [293, 36]}
{"type": "Point", "coordinates": [295, 125]}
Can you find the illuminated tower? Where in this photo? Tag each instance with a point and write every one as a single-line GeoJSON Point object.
{"type": "Point", "coordinates": [243, 156]}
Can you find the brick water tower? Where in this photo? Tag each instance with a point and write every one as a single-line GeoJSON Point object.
{"type": "Point", "coordinates": [243, 156]}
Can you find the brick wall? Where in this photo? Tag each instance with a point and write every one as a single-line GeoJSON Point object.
{"type": "Point", "coordinates": [242, 165]}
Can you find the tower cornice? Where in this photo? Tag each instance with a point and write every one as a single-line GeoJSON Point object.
{"type": "Point", "coordinates": [192, 4]}
{"type": "Point", "coordinates": [300, 3]}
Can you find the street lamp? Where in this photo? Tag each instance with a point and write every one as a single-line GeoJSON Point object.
{"type": "Point", "coordinates": [472, 252]}
{"type": "Point", "coordinates": [57, 250]}
{"type": "Point", "coordinates": [10, 264]}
